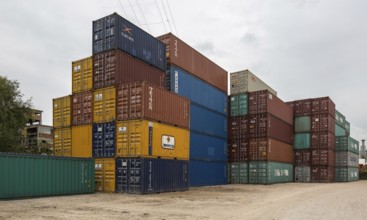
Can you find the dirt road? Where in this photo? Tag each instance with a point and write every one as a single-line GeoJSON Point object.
{"type": "Point", "coordinates": [280, 201]}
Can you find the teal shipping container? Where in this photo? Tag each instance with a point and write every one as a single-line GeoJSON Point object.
{"type": "Point", "coordinates": [302, 141]}
{"type": "Point", "coordinates": [239, 172]}
{"type": "Point", "coordinates": [266, 172]}
{"type": "Point", "coordinates": [346, 174]}
{"type": "Point", "coordinates": [339, 131]}
{"type": "Point", "coordinates": [23, 175]}
{"type": "Point", "coordinates": [345, 143]}
{"type": "Point", "coordinates": [239, 104]}
{"type": "Point", "coordinates": [340, 119]}
{"type": "Point", "coordinates": [302, 124]}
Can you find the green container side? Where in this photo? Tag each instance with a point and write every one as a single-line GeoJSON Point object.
{"type": "Point", "coordinates": [267, 172]}
{"type": "Point", "coordinates": [239, 105]}
{"type": "Point", "coordinates": [347, 127]}
{"type": "Point", "coordinates": [340, 119]}
{"type": "Point", "coordinates": [345, 143]}
{"type": "Point", "coordinates": [239, 172]}
{"type": "Point", "coordinates": [339, 131]}
{"type": "Point", "coordinates": [302, 141]}
{"type": "Point", "coordinates": [346, 174]}
{"type": "Point", "coordinates": [302, 124]}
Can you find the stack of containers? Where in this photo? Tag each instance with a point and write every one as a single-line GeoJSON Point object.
{"type": "Point", "coordinates": [260, 133]}
{"type": "Point", "coordinates": [192, 75]}
{"type": "Point", "coordinates": [346, 151]}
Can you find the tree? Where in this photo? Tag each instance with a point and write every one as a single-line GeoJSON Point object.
{"type": "Point", "coordinates": [14, 114]}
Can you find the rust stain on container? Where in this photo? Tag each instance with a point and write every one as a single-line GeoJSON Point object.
{"type": "Point", "coordinates": [268, 149]}
{"type": "Point", "coordinates": [82, 108]}
{"type": "Point", "coordinates": [82, 75]}
{"type": "Point", "coordinates": [104, 105]}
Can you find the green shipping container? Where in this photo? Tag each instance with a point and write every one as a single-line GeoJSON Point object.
{"type": "Point", "coordinates": [239, 172]}
{"type": "Point", "coordinates": [346, 174]}
{"type": "Point", "coordinates": [340, 119]}
{"type": "Point", "coordinates": [239, 105]}
{"type": "Point", "coordinates": [24, 175]}
{"type": "Point", "coordinates": [302, 141]}
{"type": "Point", "coordinates": [345, 143]}
{"type": "Point", "coordinates": [302, 124]}
{"type": "Point", "coordinates": [339, 131]}
{"type": "Point", "coordinates": [266, 172]}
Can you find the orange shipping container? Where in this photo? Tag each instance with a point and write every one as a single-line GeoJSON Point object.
{"type": "Point", "coordinates": [104, 106]}
{"type": "Point", "coordinates": [104, 175]}
{"type": "Point", "coordinates": [62, 112]}
{"type": "Point", "coordinates": [82, 75]}
{"type": "Point", "coordinates": [62, 142]}
{"type": "Point", "coordinates": [81, 141]}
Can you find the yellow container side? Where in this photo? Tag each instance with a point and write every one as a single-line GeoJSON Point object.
{"type": "Point", "coordinates": [142, 138]}
{"type": "Point", "coordinates": [62, 142]}
{"type": "Point", "coordinates": [82, 73]}
{"type": "Point", "coordinates": [62, 112]}
{"type": "Point", "coordinates": [81, 141]}
{"type": "Point", "coordinates": [104, 106]}
{"type": "Point", "coordinates": [104, 174]}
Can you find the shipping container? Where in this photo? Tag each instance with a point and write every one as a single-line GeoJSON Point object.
{"type": "Point", "coordinates": [267, 125]}
{"type": "Point", "coordinates": [82, 71]}
{"type": "Point", "coordinates": [323, 122]}
{"type": "Point", "coordinates": [238, 104]}
{"type": "Point", "coordinates": [197, 90]}
{"type": "Point", "coordinates": [115, 32]}
{"type": "Point", "coordinates": [346, 174]}
{"type": "Point", "coordinates": [265, 102]}
{"type": "Point", "coordinates": [339, 131]}
{"type": "Point", "coordinates": [115, 67]}
{"type": "Point", "coordinates": [105, 175]}
{"type": "Point", "coordinates": [340, 119]}
{"type": "Point", "coordinates": [104, 139]}
{"type": "Point", "coordinates": [302, 157]}
{"type": "Point", "coordinates": [266, 172]}
{"type": "Point", "coordinates": [325, 140]}
{"type": "Point", "coordinates": [302, 174]}
{"type": "Point", "coordinates": [82, 108]}
{"type": "Point", "coordinates": [182, 55]}
{"type": "Point", "coordinates": [322, 174]}
{"type": "Point", "coordinates": [206, 147]}
{"type": "Point", "coordinates": [303, 107]}
{"type": "Point", "coordinates": [245, 81]}
{"type": "Point", "coordinates": [302, 141]}
{"type": "Point", "coordinates": [323, 105]}
{"type": "Point", "coordinates": [323, 157]}
{"type": "Point", "coordinates": [151, 175]}
{"type": "Point", "coordinates": [23, 175]}
{"type": "Point", "coordinates": [302, 124]}
{"type": "Point", "coordinates": [142, 100]}
{"type": "Point", "coordinates": [239, 173]}
{"type": "Point", "coordinates": [62, 142]}
{"type": "Point", "coordinates": [81, 141]}
{"type": "Point", "coordinates": [207, 173]}
{"type": "Point", "coordinates": [346, 159]}
{"type": "Point", "coordinates": [104, 105]}
{"type": "Point", "coordinates": [344, 143]}
{"type": "Point", "coordinates": [268, 149]}
{"type": "Point", "coordinates": [62, 112]}
{"type": "Point", "coordinates": [141, 138]}
{"type": "Point", "coordinates": [347, 128]}
{"type": "Point", "coordinates": [238, 150]}
{"type": "Point", "coordinates": [238, 127]}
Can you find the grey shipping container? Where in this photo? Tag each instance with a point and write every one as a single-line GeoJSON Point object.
{"type": "Point", "coordinates": [23, 175]}
{"type": "Point", "coordinates": [262, 172]}
{"type": "Point", "coordinates": [302, 174]}
{"type": "Point", "coordinates": [346, 174]}
{"type": "Point", "coordinates": [346, 159]}
{"type": "Point", "coordinates": [245, 81]}
{"type": "Point", "coordinates": [302, 124]}
{"type": "Point", "coordinates": [345, 143]}
{"type": "Point", "coordinates": [238, 172]}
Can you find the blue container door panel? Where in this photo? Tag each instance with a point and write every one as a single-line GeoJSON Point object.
{"type": "Point", "coordinates": [205, 147]}
{"type": "Point", "coordinates": [207, 173]}
{"type": "Point", "coordinates": [104, 143]}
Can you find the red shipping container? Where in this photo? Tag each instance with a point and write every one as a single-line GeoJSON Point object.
{"type": "Point", "coordinates": [238, 150]}
{"type": "Point", "coordinates": [323, 140]}
{"type": "Point", "coordinates": [322, 122]}
{"type": "Point", "coordinates": [323, 157]}
{"type": "Point", "coordinates": [302, 157]}
{"type": "Point", "coordinates": [238, 127]}
{"type": "Point", "coordinates": [268, 149]}
{"type": "Point", "coordinates": [323, 105]}
{"type": "Point", "coordinates": [142, 100]}
{"type": "Point", "coordinates": [82, 107]}
{"type": "Point", "coordinates": [292, 105]}
{"type": "Point", "coordinates": [322, 174]}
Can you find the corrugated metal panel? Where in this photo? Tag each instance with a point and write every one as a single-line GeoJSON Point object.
{"type": "Point", "coordinates": [238, 127]}
{"type": "Point", "coordinates": [302, 157]}
{"type": "Point", "coordinates": [302, 124]}
{"type": "Point", "coordinates": [346, 159]}
{"type": "Point", "coordinates": [151, 175]}
{"type": "Point", "coordinates": [82, 108]}
{"type": "Point", "coordinates": [142, 100]}
{"type": "Point", "coordinates": [340, 119]}
{"type": "Point", "coordinates": [82, 141]}
{"type": "Point", "coordinates": [115, 67]}
{"type": "Point", "coordinates": [339, 131]}
{"type": "Point", "coordinates": [322, 174]}
{"type": "Point", "coordinates": [103, 139]}
{"type": "Point", "coordinates": [113, 31]}
{"type": "Point", "coordinates": [141, 138]}
{"type": "Point", "coordinates": [239, 173]}
{"type": "Point", "coordinates": [105, 175]}
{"type": "Point", "coordinates": [197, 90]}
{"type": "Point", "coordinates": [82, 71]}
{"type": "Point", "coordinates": [324, 140]}
{"type": "Point", "coordinates": [270, 149]}
{"type": "Point", "coordinates": [24, 175]}
{"type": "Point", "coordinates": [207, 173]}
{"type": "Point", "coordinates": [104, 105]}
{"type": "Point", "coordinates": [302, 141]}
{"type": "Point", "coordinates": [62, 142]}
{"type": "Point", "coordinates": [323, 157]}
{"type": "Point", "coordinates": [62, 112]}
{"type": "Point", "coordinates": [238, 105]}
{"type": "Point", "coordinates": [245, 81]}
{"type": "Point", "coordinates": [323, 105]}
{"type": "Point", "coordinates": [302, 174]}
{"type": "Point", "coordinates": [344, 143]}
{"type": "Point", "coordinates": [346, 174]}
{"type": "Point", "coordinates": [187, 58]}
{"type": "Point", "coordinates": [205, 147]}
{"type": "Point", "coordinates": [238, 150]}
{"type": "Point", "coordinates": [262, 172]}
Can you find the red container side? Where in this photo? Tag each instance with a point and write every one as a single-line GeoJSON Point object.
{"type": "Point", "coordinates": [268, 149]}
{"type": "Point", "coordinates": [322, 140]}
{"type": "Point", "coordinates": [323, 122]}
{"type": "Point", "coordinates": [238, 127]}
{"type": "Point", "coordinates": [323, 105]}
{"type": "Point", "coordinates": [238, 150]}
{"type": "Point", "coordinates": [322, 174]}
{"type": "Point", "coordinates": [302, 157]}
{"type": "Point", "coordinates": [82, 105]}
{"type": "Point", "coordinates": [323, 157]}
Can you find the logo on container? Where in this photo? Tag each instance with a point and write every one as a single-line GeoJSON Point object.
{"type": "Point", "coordinates": [168, 142]}
{"type": "Point", "coordinates": [151, 98]}
{"type": "Point", "coordinates": [127, 33]}
{"type": "Point", "coordinates": [176, 81]}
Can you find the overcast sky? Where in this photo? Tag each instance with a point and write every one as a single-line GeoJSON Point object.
{"type": "Point", "coordinates": [301, 48]}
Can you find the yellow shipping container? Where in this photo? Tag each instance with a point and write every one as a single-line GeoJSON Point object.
{"type": "Point", "coordinates": [62, 112]}
{"type": "Point", "coordinates": [104, 175]}
{"type": "Point", "coordinates": [104, 106]}
{"type": "Point", "coordinates": [82, 71]}
{"type": "Point", "coordinates": [141, 138]}
{"type": "Point", "coordinates": [62, 142]}
{"type": "Point", "coordinates": [81, 141]}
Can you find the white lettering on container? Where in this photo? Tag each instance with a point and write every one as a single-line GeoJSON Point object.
{"type": "Point", "coordinates": [151, 98]}
{"type": "Point", "coordinates": [176, 48]}
{"type": "Point", "coordinates": [176, 81]}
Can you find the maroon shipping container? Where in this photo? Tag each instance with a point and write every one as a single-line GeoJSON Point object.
{"type": "Point", "coordinates": [268, 149]}
{"type": "Point", "coordinates": [292, 105]}
{"type": "Point", "coordinates": [238, 127]}
{"type": "Point", "coordinates": [323, 140]}
{"type": "Point", "coordinates": [267, 125]}
{"type": "Point", "coordinates": [322, 174]}
{"type": "Point", "coordinates": [82, 107]}
{"type": "Point", "coordinates": [323, 105]}
{"type": "Point", "coordinates": [303, 107]}
{"type": "Point", "coordinates": [323, 157]}
{"type": "Point", "coordinates": [238, 150]}
{"type": "Point", "coordinates": [302, 157]}
{"type": "Point", "coordinates": [323, 122]}
{"type": "Point", "coordinates": [116, 68]}
{"type": "Point", "coordinates": [142, 100]}
{"type": "Point", "coordinates": [187, 58]}
{"type": "Point", "coordinates": [265, 102]}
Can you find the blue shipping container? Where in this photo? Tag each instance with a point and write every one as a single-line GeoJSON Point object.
{"type": "Point", "coordinates": [104, 139]}
{"type": "Point", "coordinates": [197, 90]}
{"type": "Point", "coordinates": [207, 173]}
{"type": "Point", "coordinates": [151, 175]}
{"type": "Point", "coordinates": [204, 147]}
{"type": "Point", "coordinates": [115, 32]}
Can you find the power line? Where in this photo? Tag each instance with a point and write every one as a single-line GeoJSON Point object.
{"type": "Point", "coordinates": [164, 8]}
{"type": "Point", "coordinates": [137, 19]}
{"type": "Point", "coordinates": [173, 20]}
{"type": "Point", "coordinates": [145, 20]}
{"type": "Point", "coordinates": [123, 10]}
{"type": "Point", "coordinates": [160, 13]}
